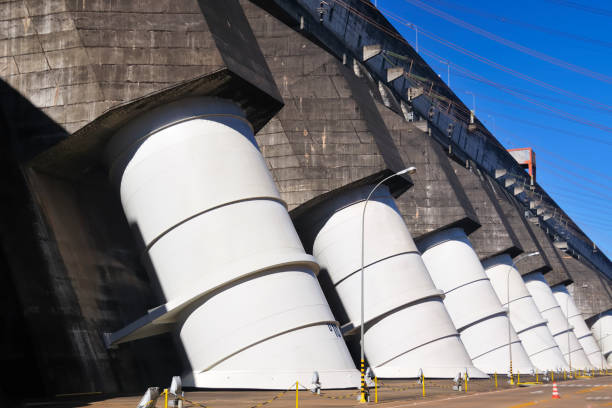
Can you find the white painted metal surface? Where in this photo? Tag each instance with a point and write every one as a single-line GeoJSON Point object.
{"type": "Point", "coordinates": [197, 191]}
{"type": "Point", "coordinates": [526, 319]}
{"type": "Point", "coordinates": [472, 303]}
{"type": "Point", "coordinates": [549, 307]}
{"type": "Point", "coordinates": [579, 358]}
{"type": "Point", "coordinates": [602, 331]}
{"type": "Point", "coordinates": [586, 339]}
{"type": "Point", "coordinates": [406, 325]}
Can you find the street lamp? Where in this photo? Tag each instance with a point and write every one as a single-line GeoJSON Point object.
{"type": "Point", "coordinates": [518, 259]}
{"type": "Point", "coordinates": [409, 170]}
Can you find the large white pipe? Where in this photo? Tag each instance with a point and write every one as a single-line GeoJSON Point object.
{"type": "Point", "coordinates": [549, 307]}
{"type": "Point", "coordinates": [407, 328]}
{"type": "Point", "coordinates": [526, 319]}
{"type": "Point", "coordinates": [602, 331]}
{"type": "Point", "coordinates": [195, 187]}
{"type": "Point", "coordinates": [472, 303]}
{"type": "Point", "coordinates": [586, 339]}
{"type": "Point", "coordinates": [578, 359]}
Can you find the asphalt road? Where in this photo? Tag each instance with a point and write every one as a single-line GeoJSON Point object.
{"type": "Point", "coordinates": [589, 393]}
{"type": "Point", "coordinates": [593, 392]}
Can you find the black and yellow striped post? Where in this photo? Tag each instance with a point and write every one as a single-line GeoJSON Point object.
{"type": "Point", "coordinates": [511, 377]}
{"type": "Point", "coordinates": [363, 391]}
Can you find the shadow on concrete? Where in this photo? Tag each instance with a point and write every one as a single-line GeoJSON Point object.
{"type": "Point", "coordinates": [64, 293]}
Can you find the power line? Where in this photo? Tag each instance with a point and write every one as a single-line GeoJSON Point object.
{"type": "Point", "coordinates": [583, 7]}
{"type": "Point", "coordinates": [492, 63]}
{"type": "Point", "coordinates": [566, 101]}
{"type": "Point", "coordinates": [534, 124]}
{"type": "Point", "coordinates": [551, 163]}
{"type": "Point", "coordinates": [530, 100]}
{"type": "Point", "coordinates": [511, 44]}
{"type": "Point", "coordinates": [546, 151]}
{"type": "Point", "coordinates": [519, 23]}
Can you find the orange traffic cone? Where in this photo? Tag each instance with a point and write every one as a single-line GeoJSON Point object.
{"type": "Point", "coordinates": [555, 394]}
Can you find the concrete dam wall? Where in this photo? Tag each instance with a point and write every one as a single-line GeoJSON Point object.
{"type": "Point", "coordinates": [186, 193]}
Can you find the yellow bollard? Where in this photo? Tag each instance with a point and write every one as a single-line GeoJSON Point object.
{"type": "Point", "coordinates": [552, 376]}
{"type": "Point", "coordinates": [466, 381]}
{"type": "Point", "coordinates": [537, 377]}
{"type": "Point", "coordinates": [423, 383]}
{"type": "Point", "coordinates": [518, 377]}
{"type": "Point", "coordinates": [297, 393]}
{"type": "Point", "coordinates": [496, 379]}
{"type": "Point", "coordinates": [376, 389]}
{"type": "Point", "coordinates": [564, 374]}
{"type": "Point", "coordinates": [166, 398]}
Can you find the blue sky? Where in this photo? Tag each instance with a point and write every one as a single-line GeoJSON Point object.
{"type": "Point", "coordinates": [570, 127]}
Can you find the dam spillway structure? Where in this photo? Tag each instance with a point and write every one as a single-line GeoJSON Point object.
{"type": "Point", "coordinates": [592, 295]}
{"type": "Point", "coordinates": [407, 328]}
{"type": "Point", "coordinates": [525, 316]}
{"type": "Point", "coordinates": [577, 359]}
{"type": "Point", "coordinates": [206, 246]}
{"type": "Point", "coordinates": [602, 331]}
{"type": "Point", "coordinates": [441, 202]}
{"type": "Point", "coordinates": [549, 308]}
{"type": "Point", "coordinates": [471, 301]}
{"type": "Point", "coordinates": [333, 101]}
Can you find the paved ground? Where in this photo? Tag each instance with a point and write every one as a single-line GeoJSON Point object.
{"type": "Point", "coordinates": [592, 392]}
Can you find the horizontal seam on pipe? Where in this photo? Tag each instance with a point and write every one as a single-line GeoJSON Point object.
{"type": "Point", "coordinates": [543, 350]}
{"type": "Point", "coordinates": [191, 299]}
{"type": "Point", "coordinates": [468, 283]}
{"type": "Point", "coordinates": [373, 263]}
{"type": "Point", "coordinates": [518, 298]}
{"type": "Point", "coordinates": [482, 319]}
{"type": "Point", "coordinates": [585, 336]}
{"type": "Point", "coordinates": [538, 324]}
{"type": "Point", "coordinates": [416, 347]}
{"type": "Point", "coordinates": [111, 168]}
{"type": "Point", "coordinates": [495, 348]}
{"type": "Point", "coordinates": [562, 332]}
{"type": "Point", "coordinates": [320, 323]}
{"type": "Point", "coordinates": [550, 308]}
{"type": "Point", "coordinates": [191, 217]}
{"type": "Point", "coordinates": [396, 309]}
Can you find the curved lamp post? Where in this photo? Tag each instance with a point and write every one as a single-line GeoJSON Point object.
{"type": "Point", "coordinates": [409, 170]}
{"type": "Point", "coordinates": [518, 259]}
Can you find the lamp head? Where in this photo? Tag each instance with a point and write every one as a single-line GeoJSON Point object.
{"type": "Point", "coordinates": [409, 170]}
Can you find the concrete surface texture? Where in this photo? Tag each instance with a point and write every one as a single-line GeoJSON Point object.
{"type": "Point", "coordinates": [193, 237]}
